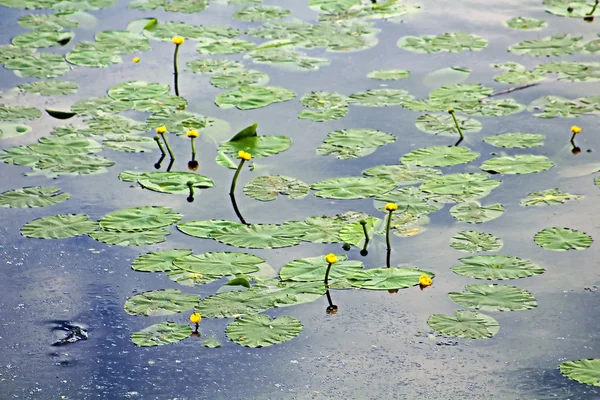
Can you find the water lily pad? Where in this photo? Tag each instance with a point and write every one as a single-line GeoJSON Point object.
{"type": "Point", "coordinates": [137, 90]}
{"type": "Point", "coordinates": [352, 187]}
{"type": "Point", "coordinates": [465, 324]}
{"type": "Point", "coordinates": [158, 261]}
{"type": "Point", "coordinates": [285, 57]}
{"type": "Point", "coordinates": [330, 114]}
{"type": "Point", "coordinates": [526, 23]}
{"type": "Point", "coordinates": [582, 371]}
{"type": "Point", "coordinates": [443, 124]}
{"type": "Point", "coordinates": [34, 196]}
{"type": "Point", "coordinates": [474, 242]}
{"type": "Point", "coordinates": [113, 124]}
{"type": "Point", "coordinates": [101, 106]}
{"type": "Point", "coordinates": [159, 103]}
{"type": "Point", "coordinates": [494, 267]}
{"type": "Point", "coordinates": [161, 334]}
{"type": "Point", "coordinates": [313, 269]}
{"type": "Point", "coordinates": [50, 88]}
{"type": "Point", "coordinates": [268, 187]}
{"type": "Point", "coordinates": [121, 42]}
{"type": "Point", "coordinates": [439, 156]}
{"type": "Point", "coordinates": [172, 182]}
{"type": "Point", "coordinates": [562, 239]}
{"type": "Point", "coordinates": [213, 66]}
{"type": "Point", "coordinates": [572, 8]}
{"type": "Point", "coordinates": [184, 6]}
{"type": "Point", "coordinates": [450, 42]}
{"type": "Point", "coordinates": [548, 197]}
{"type": "Point", "coordinates": [215, 265]}
{"type": "Point", "coordinates": [556, 106]}
{"type": "Point", "coordinates": [130, 238]}
{"type": "Point", "coordinates": [572, 71]}
{"type": "Point", "coordinates": [16, 113]}
{"type": "Point", "coordinates": [387, 278]}
{"type": "Point", "coordinates": [166, 30]}
{"type": "Point", "coordinates": [380, 97]}
{"type": "Point", "coordinates": [42, 65]}
{"type": "Point", "coordinates": [179, 122]}
{"type": "Point", "coordinates": [258, 236]}
{"type": "Point", "coordinates": [211, 343]}
{"type": "Point", "coordinates": [519, 164]}
{"type": "Point", "coordinates": [516, 140]}
{"type": "Point", "coordinates": [460, 93]}
{"type": "Point", "coordinates": [389, 74]}
{"type": "Point", "coordinates": [556, 45]}
{"type": "Point", "coordinates": [131, 144]}
{"type": "Point", "coordinates": [260, 13]}
{"type": "Point", "coordinates": [235, 78]}
{"type": "Point", "coordinates": [204, 228]}
{"type": "Point", "coordinates": [324, 100]}
{"type": "Point", "coordinates": [41, 39]}
{"type": "Point", "coordinates": [408, 199]}
{"type": "Point", "coordinates": [354, 143]}
{"type": "Point", "coordinates": [224, 46]}
{"type": "Point", "coordinates": [160, 302]}
{"type": "Point", "coordinates": [520, 77]}
{"type": "Point", "coordinates": [48, 22]}
{"type": "Point", "coordinates": [489, 297]}
{"type": "Point", "coordinates": [403, 174]}
{"type": "Point", "coordinates": [460, 187]}
{"type": "Point", "coordinates": [250, 97]}
{"type": "Point", "coordinates": [139, 218]}
{"type": "Point", "coordinates": [10, 130]}
{"type": "Point", "coordinates": [258, 146]}
{"type": "Point", "coordinates": [260, 331]}
{"type": "Point", "coordinates": [474, 213]}
{"type": "Point", "coordinates": [59, 226]}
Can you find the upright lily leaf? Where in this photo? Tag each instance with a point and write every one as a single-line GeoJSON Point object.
{"type": "Point", "coordinates": [439, 156]}
{"type": "Point", "coordinates": [465, 324]}
{"type": "Point", "coordinates": [582, 371]}
{"type": "Point", "coordinates": [352, 187]}
{"type": "Point", "coordinates": [474, 242]}
{"type": "Point", "coordinates": [160, 302]}
{"type": "Point", "coordinates": [496, 267]}
{"type": "Point", "coordinates": [139, 218]}
{"type": "Point", "coordinates": [474, 213]}
{"type": "Point", "coordinates": [260, 331]}
{"type": "Point", "coordinates": [34, 196]}
{"type": "Point", "coordinates": [562, 239]}
{"type": "Point", "coordinates": [161, 334]}
{"type": "Point", "coordinates": [59, 226]}
{"type": "Point", "coordinates": [387, 278]}
{"type": "Point", "coordinates": [548, 197]}
{"type": "Point", "coordinates": [268, 187]}
{"type": "Point", "coordinates": [516, 140]}
{"type": "Point", "coordinates": [158, 261]}
{"type": "Point", "coordinates": [519, 164]}
{"type": "Point", "coordinates": [488, 297]}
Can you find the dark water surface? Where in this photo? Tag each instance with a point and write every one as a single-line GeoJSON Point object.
{"type": "Point", "coordinates": [379, 345]}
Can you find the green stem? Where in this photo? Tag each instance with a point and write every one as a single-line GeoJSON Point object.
{"type": "Point", "coordinates": [235, 177]}
{"type": "Point", "coordinates": [168, 146]}
{"type": "Point", "coordinates": [176, 70]}
{"type": "Point", "coordinates": [593, 9]}
{"type": "Point", "coordinates": [193, 149]}
{"type": "Point", "coordinates": [190, 186]}
{"type": "Point", "coordinates": [160, 146]}
{"type": "Point", "coordinates": [573, 139]}
{"type": "Point", "coordinates": [387, 237]}
{"type": "Point", "coordinates": [326, 280]}
{"type": "Point", "coordinates": [457, 125]}
{"type": "Point", "coordinates": [364, 226]}
{"type": "Point", "coordinates": [237, 210]}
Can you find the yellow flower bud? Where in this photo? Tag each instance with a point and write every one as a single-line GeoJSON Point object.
{"type": "Point", "coordinates": [391, 207]}
{"type": "Point", "coordinates": [192, 134]}
{"type": "Point", "coordinates": [331, 258]}
{"type": "Point", "coordinates": [575, 129]}
{"type": "Point", "coordinates": [244, 156]}
{"type": "Point", "coordinates": [195, 318]}
{"type": "Point", "coordinates": [178, 40]}
{"type": "Point", "coordinates": [424, 280]}
{"type": "Point", "coordinates": [451, 110]}
{"type": "Point", "coordinates": [161, 129]}
{"type": "Point", "coordinates": [136, 60]}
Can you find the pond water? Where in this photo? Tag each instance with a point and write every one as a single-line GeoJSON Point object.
{"type": "Point", "coordinates": [379, 344]}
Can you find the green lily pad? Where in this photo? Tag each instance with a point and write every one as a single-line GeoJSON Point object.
{"type": "Point", "coordinates": [48, 22]}
{"type": "Point", "coordinates": [50, 88]}
{"type": "Point", "coordinates": [158, 261]}
{"type": "Point", "coordinates": [352, 187]}
{"type": "Point", "coordinates": [439, 156]}
{"type": "Point", "coordinates": [10, 130]}
{"type": "Point", "coordinates": [443, 124]}
{"type": "Point", "coordinates": [519, 164]}
{"type": "Point", "coordinates": [526, 23]}
{"type": "Point", "coordinates": [268, 187]}
{"type": "Point", "coordinates": [491, 108]}
{"type": "Point", "coordinates": [285, 56]}
{"type": "Point", "coordinates": [403, 174]}
{"type": "Point", "coordinates": [101, 106]}
{"type": "Point", "coordinates": [121, 42]}
{"type": "Point", "coordinates": [572, 71]}
{"type": "Point", "coordinates": [139, 218]}
{"type": "Point", "coordinates": [113, 124]}
{"type": "Point", "coordinates": [556, 45]}
{"type": "Point", "coordinates": [32, 197]}
{"type": "Point", "coordinates": [166, 30]}
{"type": "Point", "coordinates": [556, 106]}
{"type": "Point", "coordinates": [258, 236]}
{"type": "Point", "coordinates": [130, 238]}
{"type": "Point", "coordinates": [495, 267]}
{"type": "Point", "coordinates": [235, 78]}
{"type": "Point", "coordinates": [16, 113]}
{"type": "Point", "coordinates": [490, 297]}
{"type": "Point", "coordinates": [179, 122]}
{"type": "Point", "coordinates": [59, 226]}
{"type": "Point", "coordinates": [330, 114]}
{"type": "Point", "coordinates": [159, 103]}
{"type": "Point", "coordinates": [170, 182]}
{"type": "Point", "coordinates": [389, 74]}
{"type": "Point", "coordinates": [324, 100]}
{"type": "Point", "coordinates": [460, 187]}
{"type": "Point", "coordinates": [474, 242]}
{"type": "Point", "coordinates": [562, 239]}
{"type": "Point", "coordinates": [353, 233]}
{"type": "Point", "coordinates": [137, 90]}
{"type": "Point", "coordinates": [450, 42]}
{"type": "Point", "coordinates": [548, 197]}
{"type": "Point", "coordinates": [387, 278]}
{"type": "Point", "coordinates": [213, 66]}
{"type": "Point", "coordinates": [474, 213]}
{"type": "Point", "coordinates": [131, 144]}
{"type": "Point", "coordinates": [211, 266]}
{"type": "Point", "coordinates": [204, 228]}
{"type": "Point", "coordinates": [409, 199]}
{"type": "Point", "coordinates": [327, 229]}
{"type": "Point", "coordinates": [260, 331]}
{"type": "Point", "coordinates": [224, 46]}
{"type": "Point", "coordinates": [42, 65]}
{"type": "Point", "coordinates": [260, 13]}
{"type": "Point", "coordinates": [380, 97]}
{"type": "Point", "coordinates": [160, 302]}
{"type": "Point", "coordinates": [313, 269]}
{"type": "Point", "coordinates": [460, 93]}
{"type": "Point", "coordinates": [161, 334]}
{"type": "Point", "coordinates": [516, 140]}
{"type": "Point", "coordinates": [184, 6]}
{"type": "Point", "coordinates": [250, 97]}
{"type": "Point", "coordinates": [41, 39]}
{"type": "Point", "coordinates": [572, 8]}
{"type": "Point", "coordinates": [582, 371]}
{"type": "Point", "coordinates": [520, 77]}
{"type": "Point", "coordinates": [354, 143]}
{"type": "Point", "coordinates": [465, 324]}
{"type": "Point", "coordinates": [211, 343]}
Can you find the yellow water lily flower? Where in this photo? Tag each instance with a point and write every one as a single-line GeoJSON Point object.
{"type": "Point", "coordinates": [424, 280]}
{"type": "Point", "coordinates": [451, 110]}
{"type": "Point", "coordinates": [195, 318]}
{"type": "Point", "coordinates": [331, 258]}
{"type": "Point", "coordinates": [178, 40]}
{"type": "Point", "coordinates": [192, 134]}
{"type": "Point", "coordinates": [136, 60]}
{"type": "Point", "coordinates": [391, 207]}
{"type": "Point", "coordinates": [161, 129]}
{"type": "Point", "coordinates": [244, 156]}
{"type": "Point", "coordinates": [575, 129]}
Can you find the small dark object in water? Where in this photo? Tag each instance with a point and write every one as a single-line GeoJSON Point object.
{"type": "Point", "coordinates": [74, 334]}
{"type": "Point", "coordinates": [364, 252]}
{"type": "Point", "coordinates": [346, 246]}
{"type": "Point", "coordinates": [332, 309]}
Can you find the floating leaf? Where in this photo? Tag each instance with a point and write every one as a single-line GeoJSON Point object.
{"type": "Point", "coordinates": [474, 242]}
{"type": "Point", "coordinates": [224, 46]}
{"type": "Point", "coordinates": [35, 196]}
{"type": "Point", "coordinates": [285, 56]}
{"type": "Point", "coordinates": [555, 106]}
{"type": "Point", "coordinates": [213, 66]}
{"type": "Point", "coordinates": [50, 88]}
{"type": "Point", "coordinates": [313, 269]}
{"type": "Point", "coordinates": [516, 140]}
{"type": "Point", "coordinates": [562, 239]}
{"type": "Point", "coordinates": [352, 187]}
{"type": "Point", "coordinates": [161, 334]}
{"type": "Point", "coordinates": [387, 278]}
{"type": "Point", "coordinates": [158, 261]}
{"type": "Point", "coordinates": [42, 39]}
{"type": "Point", "coordinates": [354, 233]}
{"type": "Point", "coordinates": [215, 265]}
{"type": "Point", "coordinates": [121, 42]}
{"type": "Point", "coordinates": [203, 229]}
{"type": "Point", "coordinates": [211, 343]}
{"type": "Point", "coordinates": [389, 74]}
{"type": "Point", "coordinates": [519, 164]}
{"type": "Point", "coordinates": [488, 297]}
{"type": "Point", "coordinates": [132, 144]}
{"type": "Point", "coordinates": [130, 238]}
{"type": "Point", "coordinates": [548, 197]}
{"type": "Point", "coordinates": [250, 97]}
{"type": "Point", "coordinates": [16, 113]}
{"type": "Point", "coordinates": [184, 6]}
{"type": "Point", "coordinates": [168, 182]}
{"type": "Point", "coordinates": [556, 45]}
{"type": "Point", "coordinates": [443, 124]}
{"type": "Point", "coordinates": [582, 371]}
{"type": "Point", "coordinates": [572, 71]}
{"type": "Point", "coordinates": [526, 23]}
{"type": "Point", "coordinates": [235, 78]}
{"type": "Point", "coordinates": [160, 302]}
{"type": "Point", "coordinates": [451, 42]}
{"type": "Point", "coordinates": [257, 236]}
{"type": "Point", "coordinates": [268, 187]}
{"type": "Point", "coordinates": [260, 331]}
{"type": "Point", "coordinates": [48, 22]}
{"type": "Point", "coordinates": [59, 226]}
{"type": "Point", "coordinates": [474, 213]}
{"type": "Point", "coordinates": [42, 65]}
{"type": "Point", "coordinates": [439, 156]}
{"type": "Point", "coordinates": [260, 13]}
{"type": "Point", "coordinates": [179, 122]}
{"type": "Point", "coordinates": [409, 199]}
{"type": "Point", "coordinates": [354, 143]}
{"type": "Point", "coordinates": [460, 187]}
{"type": "Point", "coordinates": [137, 90]}
{"type": "Point", "coordinates": [496, 267]}
{"type": "Point", "coordinates": [324, 100]}
{"type": "Point", "coordinates": [166, 30]}
{"type": "Point", "coordinates": [380, 97]}
{"type": "Point", "coordinates": [330, 114]}
{"type": "Point", "coordinates": [258, 146]}
{"type": "Point", "coordinates": [139, 218]}
{"type": "Point", "coordinates": [572, 8]}
{"type": "Point", "coordinates": [402, 174]}
{"type": "Point", "coordinates": [100, 106]}
{"type": "Point", "coordinates": [465, 324]}
{"type": "Point", "coordinates": [159, 103]}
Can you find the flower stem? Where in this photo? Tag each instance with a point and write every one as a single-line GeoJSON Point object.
{"type": "Point", "coordinates": [190, 186]}
{"type": "Point", "coordinates": [193, 149]}
{"type": "Point", "coordinates": [573, 139]}
{"type": "Point", "coordinates": [236, 209]}
{"type": "Point", "coordinates": [593, 10]}
{"type": "Point", "coordinates": [160, 146]}
{"type": "Point", "coordinates": [387, 238]}
{"type": "Point", "coordinates": [176, 70]}
{"type": "Point", "coordinates": [168, 146]}
{"type": "Point", "coordinates": [364, 226]}
{"type": "Point", "coordinates": [235, 177]}
{"type": "Point", "coordinates": [326, 280]}
{"type": "Point", "coordinates": [457, 125]}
